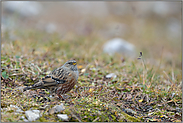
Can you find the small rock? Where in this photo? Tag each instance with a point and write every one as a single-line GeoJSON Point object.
{"type": "Point", "coordinates": [13, 106]}
{"type": "Point", "coordinates": [22, 117]}
{"type": "Point", "coordinates": [56, 109]}
{"type": "Point", "coordinates": [36, 111]}
{"type": "Point", "coordinates": [18, 110]}
{"type": "Point", "coordinates": [32, 115]}
{"type": "Point", "coordinates": [173, 95]}
{"type": "Point", "coordinates": [25, 120]}
{"type": "Point", "coordinates": [83, 70]}
{"type": "Point", "coordinates": [118, 45]}
{"type": "Point", "coordinates": [63, 117]}
{"type": "Point", "coordinates": [111, 75]}
{"type": "Point", "coordinates": [130, 111]}
{"type": "Point", "coordinates": [178, 109]}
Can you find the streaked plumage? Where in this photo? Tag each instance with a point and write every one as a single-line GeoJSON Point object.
{"type": "Point", "coordinates": [60, 80]}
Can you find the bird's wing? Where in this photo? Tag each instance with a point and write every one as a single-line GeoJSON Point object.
{"type": "Point", "coordinates": [58, 76]}
{"type": "Point", "coordinates": [47, 81]}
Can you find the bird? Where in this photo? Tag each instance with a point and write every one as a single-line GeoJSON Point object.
{"type": "Point", "coordinates": [59, 81]}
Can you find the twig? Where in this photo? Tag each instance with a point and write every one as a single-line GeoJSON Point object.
{"type": "Point", "coordinates": [168, 78]}
{"type": "Point", "coordinates": [95, 119]}
{"type": "Point", "coordinates": [24, 71]}
{"type": "Point", "coordinates": [173, 77]}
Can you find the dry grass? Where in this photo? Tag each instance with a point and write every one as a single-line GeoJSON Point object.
{"type": "Point", "coordinates": [144, 87]}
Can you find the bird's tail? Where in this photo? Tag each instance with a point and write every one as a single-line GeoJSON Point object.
{"type": "Point", "coordinates": [36, 85]}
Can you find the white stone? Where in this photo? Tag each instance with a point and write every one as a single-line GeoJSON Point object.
{"type": "Point", "coordinates": [36, 111]}
{"type": "Point", "coordinates": [25, 120]}
{"type": "Point", "coordinates": [57, 109]}
{"type": "Point", "coordinates": [63, 117]}
{"type": "Point", "coordinates": [22, 117]}
{"type": "Point", "coordinates": [111, 75]}
{"type": "Point", "coordinates": [32, 115]}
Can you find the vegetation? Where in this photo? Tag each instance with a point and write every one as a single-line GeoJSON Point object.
{"type": "Point", "coordinates": [144, 90]}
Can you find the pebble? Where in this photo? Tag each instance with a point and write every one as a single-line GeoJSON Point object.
{"type": "Point", "coordinates": [130, 111]}
{"type": "Point", "coordinates": [24, 119]}
{"type": "Point", "coordinates": [111, 75]}
{"type": "Point", "coordinates": [83, 70]}
{"type": "Point", "coordinates": [57, 109]}
{"type": "Point", "coordinates": [63, 117]}
{"type": "Point", "coordinates": [173, 95]}
{"type": "Point", "coordinates": [32, 115]}
{"type": "Point", "coordinates": [178, 109]}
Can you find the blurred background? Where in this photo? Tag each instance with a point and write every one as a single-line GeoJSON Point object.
{"type": "Point", "coordinates": [125, 28]}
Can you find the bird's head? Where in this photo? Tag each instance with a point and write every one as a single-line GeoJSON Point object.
{"type": "Point", "coordinates": [71, 64]}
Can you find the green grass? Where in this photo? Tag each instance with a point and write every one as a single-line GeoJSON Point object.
{"type": "Point", "coordinates": [139, 85]}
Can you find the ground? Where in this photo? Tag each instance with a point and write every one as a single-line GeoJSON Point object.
{"type": "Point", "coordinates": [142, 91]}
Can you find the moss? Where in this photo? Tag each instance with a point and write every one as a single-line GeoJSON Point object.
{"type": "Point", "coordinates": [128, 118]}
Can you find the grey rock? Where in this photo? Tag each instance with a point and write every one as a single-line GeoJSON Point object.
{"type": "Point", "coordinates": [56, 109]}
{"type": "Point", "coordinates": [25, 120]}
{"type": "Point", "coordinates": [32, 115]}
{"type": "Point", "coordinates": [36, 111]}
{"type": "Point", "coordinates": [19, 110]}
{"type": "Point", "coordinates": [178, 109]}
{"type": "Point", "coordinates": [130, 111]}
{"type": "Point", "coordinates": [118, 45]}
{"type": "Point", "coordinates": [63, 117]}
{"type": "Point", "coordinates": [22, 117]}
{"type": "Point", "coordinates": [13, 106]}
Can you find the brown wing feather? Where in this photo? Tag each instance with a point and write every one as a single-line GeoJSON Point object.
{"type": "Point", "coordinates": [57, 76]}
